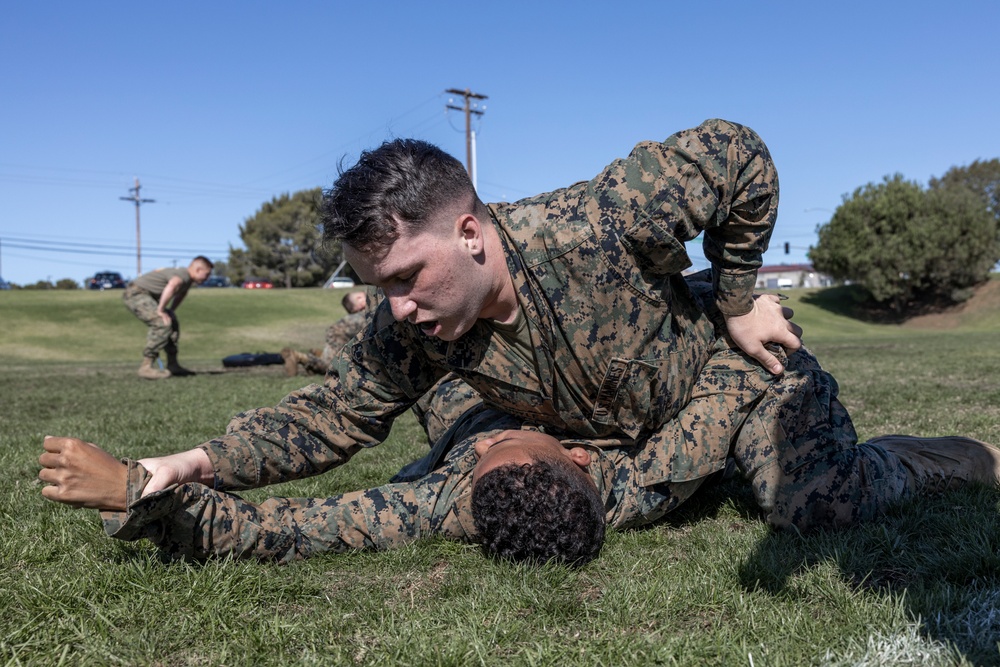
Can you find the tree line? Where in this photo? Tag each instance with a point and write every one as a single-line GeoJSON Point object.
{"type": "Point", "coordinates": [910, 248]}
{"type": "Point", "coordinates": [904, 245]}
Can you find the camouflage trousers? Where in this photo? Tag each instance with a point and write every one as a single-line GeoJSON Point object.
{"type": "Point", "coordinates": [790, 436]}
{"type": "Point", "coordinates": [160, 336]}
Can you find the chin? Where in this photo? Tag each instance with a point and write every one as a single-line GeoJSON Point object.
{"type": "Point", "coordinates": [452, 333]}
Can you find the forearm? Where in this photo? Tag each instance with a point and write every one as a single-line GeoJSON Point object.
{"type": "Point", "coordinates": [311, 431]}
{"type": "Point", "coordinates": [737, 245]}
{"type": "Point", "coordinates": [166, 296]}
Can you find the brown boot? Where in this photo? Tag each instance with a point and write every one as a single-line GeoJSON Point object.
{"type": "Point", "coordinates": [291, 358]}
{"type": "Point", "coordinates": [937, 464]}
{"type": "Point", "coordinates": [150, 372]}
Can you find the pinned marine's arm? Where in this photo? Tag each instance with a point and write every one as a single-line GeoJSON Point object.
{"type": "Point", "coordinates": [196, 521]}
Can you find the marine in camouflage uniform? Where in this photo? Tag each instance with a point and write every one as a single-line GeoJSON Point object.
{"type": "Point", "coordinates": [627, 362]}
{"type": "Point", "coordinates": [142, 298]}
{"type": "Point", "coordinates": [338, 335]}
{"type": "Point", "coordinates": [619, 339]}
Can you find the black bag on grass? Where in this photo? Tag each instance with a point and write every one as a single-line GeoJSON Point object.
{"type": "Point", "coordinates": [251, 359]}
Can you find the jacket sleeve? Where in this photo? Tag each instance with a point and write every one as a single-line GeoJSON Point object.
{"type": "Point", "coordinates": [717, 178]}
{"type": "Point", "coordinates": [322, 425]}
{"type": "Point", "coordinates": [194, 521]}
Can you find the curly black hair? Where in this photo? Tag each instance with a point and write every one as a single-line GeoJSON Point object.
{"type": "Point", "coordinates": [548, 510]}
{"type": "Point", "coordinates": [406, 178]}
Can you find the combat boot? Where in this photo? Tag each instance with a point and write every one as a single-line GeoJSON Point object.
{"type": "Point", "coordinates": [149, 372]}
{"type": "Point", "coordinates": [176, 370]}
{"type": "Point", "coordinates": [291, 358]}
{"type": "Point", "coordinates": [937, 464]}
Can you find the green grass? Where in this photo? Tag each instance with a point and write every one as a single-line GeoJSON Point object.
{"type": "Point", "coordinates": [709, 586]}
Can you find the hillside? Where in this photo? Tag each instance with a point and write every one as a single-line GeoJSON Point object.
{"type": "Point", "coordinates": [983, 309]}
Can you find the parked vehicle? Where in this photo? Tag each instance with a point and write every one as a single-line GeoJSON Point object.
{"type": "Point", "coordinates": [257, 283]}
{"type": "Point", "coordinates": [106, 280]}
{"type": "Point", "coordinates": [217, 281]}
{"type": "Point", "coordinates": [4, 284]}
{"type": "Point", "coordinates": [339, 282]}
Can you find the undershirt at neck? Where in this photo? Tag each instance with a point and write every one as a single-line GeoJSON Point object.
{"type": "Point", "coordinates": [517, 338]}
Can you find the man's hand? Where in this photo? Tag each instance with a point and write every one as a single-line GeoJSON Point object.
{"type": "Point", "coordinates": [767, 322]}
{"type": "Point", "coordinates": [166, 316]}
{"type": "Point", "coordinates": [81, 474]}
{"type": "Point", "coordinates": [190, 466]}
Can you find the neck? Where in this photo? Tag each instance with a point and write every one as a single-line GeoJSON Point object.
{"type": "Point", "coordinates": [502, 306]}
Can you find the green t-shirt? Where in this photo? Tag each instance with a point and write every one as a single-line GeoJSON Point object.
{"type": "Point", "coordinates": [156, 281]}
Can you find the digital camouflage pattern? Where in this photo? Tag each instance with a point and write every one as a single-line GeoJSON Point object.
{"type": "Point", "coordinates": [627, 364]}
{"type": "Point", "coordinates": [618, 336]}
{"type": "Point", "coordinates": [341, 332]}
{"type": "Point", "coordinates": [736, 407]}
{"type": "Point", "coordinates": [440, 408]}
{"type": "Point", "coordinates": [160, 337]}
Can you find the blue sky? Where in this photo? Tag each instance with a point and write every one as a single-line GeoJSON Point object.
{"type": "Point", "coordinates": [218, 106]}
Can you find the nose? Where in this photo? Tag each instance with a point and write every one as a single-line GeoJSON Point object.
{"type": "Point", "coordinates": [402, 307]}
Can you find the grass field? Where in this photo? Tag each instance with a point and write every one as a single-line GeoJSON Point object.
{"type": "Point", "coordinates": [709, 586]}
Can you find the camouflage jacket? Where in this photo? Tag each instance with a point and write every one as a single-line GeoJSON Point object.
{"type": "Point", "coordinates": [619, 337]}
{"type": "Point", "coordinates": [341, 332]}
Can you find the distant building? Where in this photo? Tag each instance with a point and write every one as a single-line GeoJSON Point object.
{"type": "Point", "coordinates": [785, 276]}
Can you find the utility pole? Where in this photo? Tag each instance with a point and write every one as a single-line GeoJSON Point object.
{"type": "Point", "coordinates": [468, 109]}
{"type": "Point", "coordinates": [138, 202]}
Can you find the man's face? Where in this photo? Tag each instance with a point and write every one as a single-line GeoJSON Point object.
{"type": "Point", "coordinates": [357, 302]}
{"type": "Point", "coordinates": [521, 447]}
{"type": "Point", "coordinates": [433, 277]}
{"type": "Point", "coordinates": [199, 272]}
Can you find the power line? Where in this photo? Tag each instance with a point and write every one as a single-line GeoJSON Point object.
{"type": "Point", "coordinates": [73, 245]}
{"type": "Point", "coordinates": [83, 251]}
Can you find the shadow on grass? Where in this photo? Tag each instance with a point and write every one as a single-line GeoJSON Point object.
{"type": "Point", "coordinates": [951, 585]}
{"type": "Point", "coordinates": [852, 302]}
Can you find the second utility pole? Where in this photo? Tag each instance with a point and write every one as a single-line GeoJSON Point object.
{"type": "Point", "coordinates": [467, 108]}
{"type": "Point", "coordinates": [138, 202]}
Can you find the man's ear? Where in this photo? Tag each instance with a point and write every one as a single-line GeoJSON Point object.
{"type": "Point", "coordinates": [471, 231]}
{"type": "Point", "coordinates": [579, 456]}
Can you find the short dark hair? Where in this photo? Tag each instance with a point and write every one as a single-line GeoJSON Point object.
{"type": "Point", "coordinates": [406, 178]}
{"type": "Point", "coordinates": [538, 512]}
{"type": "Point", "coordinates": [205, 260]}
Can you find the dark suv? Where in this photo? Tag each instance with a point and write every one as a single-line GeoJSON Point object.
{"type": "Point", "coordinates": [217, 281]}
{"type": "Point", "coordinates": [106, 280]}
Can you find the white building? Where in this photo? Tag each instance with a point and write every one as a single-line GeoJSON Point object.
{"type": "Point", "coordinates": [786, 276]}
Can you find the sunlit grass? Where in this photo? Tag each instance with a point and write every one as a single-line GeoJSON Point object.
{"type": "Point", "coordinates": [711, 585]}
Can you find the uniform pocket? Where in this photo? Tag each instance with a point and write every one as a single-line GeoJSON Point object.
{"type": "Point", "coordinates": [640, 394]}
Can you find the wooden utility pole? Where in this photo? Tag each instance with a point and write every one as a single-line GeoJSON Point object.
{"type": "Point", "coordinates": [138, 202]}
{"type": "Point", "coordinates": [469, 110]}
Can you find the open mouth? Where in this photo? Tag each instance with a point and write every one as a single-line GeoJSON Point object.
{"type": "Point", "coordinates": [429, 327]}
